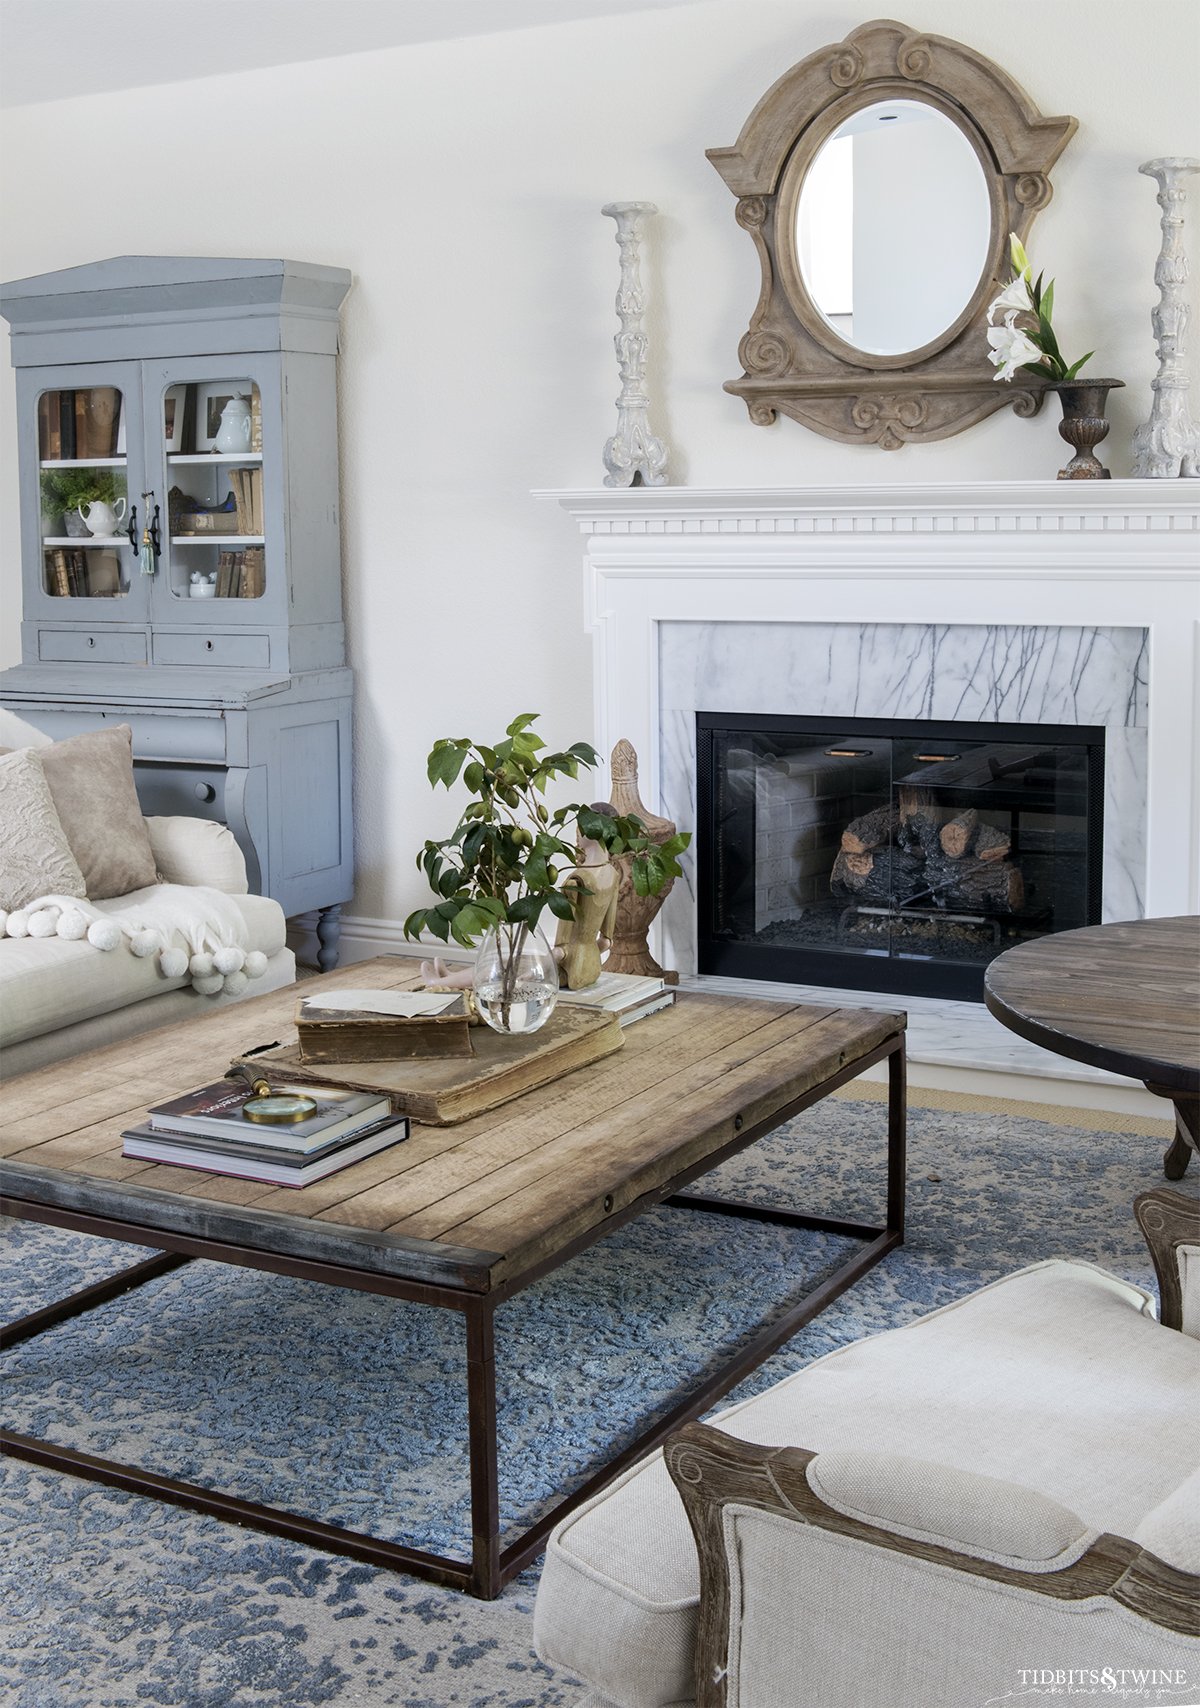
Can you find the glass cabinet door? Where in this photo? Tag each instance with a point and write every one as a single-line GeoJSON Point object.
{"type": "Point", "coordinates": [83, 431]}
{"type": "Point", "coordinates": [209, 422]}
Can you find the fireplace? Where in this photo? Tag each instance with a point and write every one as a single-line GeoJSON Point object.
{"type": "Point", "coordinates": [896, 855]}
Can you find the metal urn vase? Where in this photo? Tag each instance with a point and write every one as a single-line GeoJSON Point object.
{"type": "Point", "coordinates": [1084, 425]}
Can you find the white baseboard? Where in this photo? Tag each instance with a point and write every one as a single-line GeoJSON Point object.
{"type": "Point", "coordinates": [362, 938]}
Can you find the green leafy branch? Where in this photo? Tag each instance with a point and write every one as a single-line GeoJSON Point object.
{"type": "Point", "coordinates": [503, 860]}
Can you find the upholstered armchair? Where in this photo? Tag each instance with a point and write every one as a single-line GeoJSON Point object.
{"type": "Point", "coordinates": [998, 1501]}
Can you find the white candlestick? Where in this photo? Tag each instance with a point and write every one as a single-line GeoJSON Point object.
{"type": "Point", "coordinates": [633, 450]}
{"type": "Point", "coordinates": [1167, 444]}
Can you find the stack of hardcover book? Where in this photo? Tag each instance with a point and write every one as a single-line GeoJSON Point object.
{"type": "Point", "coordinates": [207, 1129]}
{"type": "Point", "coordinates": [626, 995]}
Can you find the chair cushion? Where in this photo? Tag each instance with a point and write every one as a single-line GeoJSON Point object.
{"type": "Point", "coordinates": [51, 982]}
{"type": "Point", "coordinates": [1057, 1378]}
{"type": "Point", "coordinates": [1172, 1530]}
{"type": "Point", "coordinates": [35, 856]}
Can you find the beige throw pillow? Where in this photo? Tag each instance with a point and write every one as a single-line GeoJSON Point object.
{"type": "Point", "coordinates": [91, 780]}
{"type": "Point", "coordinates": [35, 856]}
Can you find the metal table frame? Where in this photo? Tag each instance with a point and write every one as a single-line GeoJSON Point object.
{"type": "Point", "coordinates": [491, 1565]}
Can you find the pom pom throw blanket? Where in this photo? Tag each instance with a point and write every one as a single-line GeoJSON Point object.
{"type": "Point", "coordinates": [193, 932]}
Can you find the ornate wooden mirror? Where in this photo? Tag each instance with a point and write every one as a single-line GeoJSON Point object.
{"type": "Point", "coordinates": [879, 179]}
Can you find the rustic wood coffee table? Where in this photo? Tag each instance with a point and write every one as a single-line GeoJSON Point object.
{"type": "Point", "coordinates": [463, 1217]}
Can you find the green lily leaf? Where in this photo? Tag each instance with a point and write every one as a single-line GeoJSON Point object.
{"type": "Point", "coordinates": [1075, 366]}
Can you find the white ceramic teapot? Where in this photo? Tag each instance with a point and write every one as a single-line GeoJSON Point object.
{"type": "Point", "coordinates": [102, 519]}
{"type": "Point", "coordinates": [233, 435]}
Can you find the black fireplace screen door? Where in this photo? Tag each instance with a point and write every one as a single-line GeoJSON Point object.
{"type": "Point", "coordinates": [891, 856]}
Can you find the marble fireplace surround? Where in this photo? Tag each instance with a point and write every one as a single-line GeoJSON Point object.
{"type": "Point", "coordinates": [1071, 603]}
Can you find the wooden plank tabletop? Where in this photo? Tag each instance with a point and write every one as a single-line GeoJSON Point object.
{"type": "Point", "coordinates": [1125, 997]}
{"type": "Point", "coordinates": [463, 1206]}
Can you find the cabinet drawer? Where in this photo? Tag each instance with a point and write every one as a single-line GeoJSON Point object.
{"type": "Point", "coordinates": [99, 646]}
{"type": "Point", "coordinates": [212, 649]}
{"type": "Point", "coordinates": [195, 791]}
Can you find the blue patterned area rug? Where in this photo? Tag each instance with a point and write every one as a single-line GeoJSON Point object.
{"type": "Point", "coordinates": [352, 1407]}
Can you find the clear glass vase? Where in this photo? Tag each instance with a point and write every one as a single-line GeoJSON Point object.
{"type": "Point", "coordinates": [516, 978]}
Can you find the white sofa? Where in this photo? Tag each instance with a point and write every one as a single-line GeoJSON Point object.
{"type": "Point", "coordinates": [58, 997]}
{"type": "Point", "coordinates": [955, 1513]}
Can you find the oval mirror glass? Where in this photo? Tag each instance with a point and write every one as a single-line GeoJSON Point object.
{"type": "Point", "coordinates": [893, 227]}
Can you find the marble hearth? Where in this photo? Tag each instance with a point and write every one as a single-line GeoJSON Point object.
{"type": "Point", "coordinates": [1061, 603]}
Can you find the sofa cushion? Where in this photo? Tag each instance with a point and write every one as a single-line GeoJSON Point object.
{"type": "Point", "coordinates": [197, 851]}
{"type": "Point", "coordinates": [35, 856]}
{"type": "Point", "coordinates": [91, 780]}
{"type": "Point", "coordinates": [1057, 1378]}
{"type": "Point", "coordinates": [50, 983]}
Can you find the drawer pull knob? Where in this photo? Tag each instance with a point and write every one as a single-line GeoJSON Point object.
{"type": "Point", "coordinates": [205, 792]}
{"type": "Point", "coordinates": [91, 640]}
{"type": "Point", "coordinates": [208, 646]}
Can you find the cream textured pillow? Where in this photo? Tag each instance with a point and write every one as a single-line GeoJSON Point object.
{"type": "Point", "coordinates": [35, 856]}
{"type": "Point", "coordinates": [91, 780]}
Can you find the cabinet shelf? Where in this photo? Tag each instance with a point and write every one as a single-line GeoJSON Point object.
{"type": "Point", "coordinates": [197, 457]}
{"type": "Point", "coordinates": [86, 540]}
{"type": "Point", "coordinates": [218, 539]}
{"type": "Point", "coordinates": [83, 463]}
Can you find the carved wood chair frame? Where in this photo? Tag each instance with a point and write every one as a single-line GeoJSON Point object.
{"type": "Point", "coordinates": [794, 361]}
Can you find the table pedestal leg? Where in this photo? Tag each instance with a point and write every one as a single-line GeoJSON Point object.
{"type": "Point", "coordinates": [1187, 1132]}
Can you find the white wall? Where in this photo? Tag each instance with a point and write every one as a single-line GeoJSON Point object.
{"type": "Point", "coordinates": [461, 182]}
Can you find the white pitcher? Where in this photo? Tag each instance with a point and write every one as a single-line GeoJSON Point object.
{"type": "Point", "coordinates": [233, 435]}
{"type": "Point", "coordinates": [102, 519]}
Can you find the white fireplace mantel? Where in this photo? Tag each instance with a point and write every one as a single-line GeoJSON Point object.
{"type": "Point", "coordinates": [1079, 556]}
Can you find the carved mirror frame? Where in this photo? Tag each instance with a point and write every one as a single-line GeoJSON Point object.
{"type": "Point", "coordinates": [794, 361]}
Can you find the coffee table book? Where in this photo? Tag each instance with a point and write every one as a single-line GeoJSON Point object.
{"type": "Point", "coordinates": [253, 1162]}
{"type": "Point", "coordinates": [215, 1111]}
{"type": "Point", "coordinates": [626, 995]}
{"type": "Point", "coordinates": [367, 1026]}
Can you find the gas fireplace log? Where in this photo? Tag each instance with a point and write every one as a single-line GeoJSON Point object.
{"type": "Point", "coordinates": [958, 835]}
{"type": "Point", "coordinates": [873, 830]}
{"type": "Point", "coordinates": [974, 884]}
{"type": "Point", "coordinates": [890, 876]}
{"type": "Point", "coordinates": [991, 844]}
{"type": "Point", "coordinates": [919, 835]}
{"type": "Point", "coordinates": [914, 801]}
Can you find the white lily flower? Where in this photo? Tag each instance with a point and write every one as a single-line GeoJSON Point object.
{"type": "Point", "coordinates": [1010, 348]}
{"type": "Point", "coordinates": [1015, 295]}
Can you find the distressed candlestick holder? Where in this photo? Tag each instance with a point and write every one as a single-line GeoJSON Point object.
{"type": "Point", "coordinates": [1167, 445]}
{"type": "Point", "coordinates": [633, 452]}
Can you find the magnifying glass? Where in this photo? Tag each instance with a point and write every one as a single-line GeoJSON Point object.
{"type": "Point", "coordinates": [276, 1108]}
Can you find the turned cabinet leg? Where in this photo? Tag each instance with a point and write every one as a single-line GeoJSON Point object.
{"type": "Point", "coordinates": [329, 930]}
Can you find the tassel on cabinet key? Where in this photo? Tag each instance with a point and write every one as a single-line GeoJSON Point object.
{"type": "Point", "coordinates": [148, 555]}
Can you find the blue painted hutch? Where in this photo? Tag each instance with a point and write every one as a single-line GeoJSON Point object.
{"type": "Point", "coordinates": [180, 546]}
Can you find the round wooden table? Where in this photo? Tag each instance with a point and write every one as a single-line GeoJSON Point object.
{"type": "Point", "coordinates": [1123, 997]}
